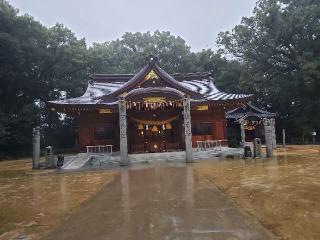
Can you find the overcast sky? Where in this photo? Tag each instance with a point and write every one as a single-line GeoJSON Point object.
{"type": "Point", "coordinates": [196, 21]}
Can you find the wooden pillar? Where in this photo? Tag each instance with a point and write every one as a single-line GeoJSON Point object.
{"type": "Point", "coordinates": [36, 149]}
{"type": "Point", "coordinates": [123, 133]}
{"type": "Point", "coordinates": [243, 132]}
{"type": "Point", "coordinates": [268, 136]}
{"type": "Point", "coordinates": [187, 128]}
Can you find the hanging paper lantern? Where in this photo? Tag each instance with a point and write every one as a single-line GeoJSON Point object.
{"type": "Point", "coordinates": [168, 126]}
{"type": "Point", "coordinates": [154, 128]}
{"type": "Point", "coordinates": [140, 126]}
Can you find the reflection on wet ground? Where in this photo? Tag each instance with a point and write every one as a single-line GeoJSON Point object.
{"type": "Point", "coordinates": [160, 202]}
{"type": "Point", "coordinates": [167, 201]}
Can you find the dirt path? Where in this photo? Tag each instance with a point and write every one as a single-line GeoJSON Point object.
{"type": "Point", "coordinates": [160, 202]}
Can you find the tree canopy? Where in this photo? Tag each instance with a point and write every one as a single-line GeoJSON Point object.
{"type": "Point", "coordinates": [279, 47]}
{"type": "Point", "coordinates": [36, 64]}
{"type": "Point", "coordinates": [274, 54]}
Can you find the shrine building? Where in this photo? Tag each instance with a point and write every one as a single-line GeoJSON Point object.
{"type": "Point", "coordinates": [151, 111]}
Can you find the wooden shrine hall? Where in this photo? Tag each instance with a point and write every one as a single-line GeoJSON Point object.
{"type": "Point", "coordinates": [151, 111]}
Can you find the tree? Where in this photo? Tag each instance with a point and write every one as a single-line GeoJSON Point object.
{"type": "Point", "coordinates": [229, 75]}
{"type": "Point", "coordinates": [36, 65]}
{"type": "Point", "coordinates": [128, 54]}
{"type": "Point", "coordinates": [279, 46]}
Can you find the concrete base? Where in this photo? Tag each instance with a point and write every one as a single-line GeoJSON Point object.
{"type": "Point", "coordinates": [83, 160]}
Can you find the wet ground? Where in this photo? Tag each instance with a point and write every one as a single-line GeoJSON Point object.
{"type": "Point", "coordinates": [160, 202]}
{"type": "Point", "coordinates": [283, 193]}
{"type": "Point", "coordinates": [34, 202]}
{"type": "Point", "coordinates": [228, 199]}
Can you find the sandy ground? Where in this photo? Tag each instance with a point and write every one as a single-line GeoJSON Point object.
{"type": "Point", "coordinates": [32, 202]}
{"type": "Point", "coordinates": [283, 194]}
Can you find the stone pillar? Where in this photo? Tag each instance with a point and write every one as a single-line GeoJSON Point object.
{"type": "Point", "coordinates": [274, 137]}
{"type": "Point", "coordinates": [49, 157]}
{"type": "Point", "coordinates": [187, 128]}
{"type": "Point", "coordinates": [283, 138]}
{"type": "Point", "coordinates": [36, 149]}
{"type": "Point", "coordinates": [268, 136]}
{"type": "Point", "coordinates": [243, 132]}
{"type": "Point", "coordinates": [123, 133]}
{"type": "Point", "coordinates": [256, 147]}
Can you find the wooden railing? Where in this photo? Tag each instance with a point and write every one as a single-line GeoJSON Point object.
{"type": "Point", "coordinates": [107, 149]}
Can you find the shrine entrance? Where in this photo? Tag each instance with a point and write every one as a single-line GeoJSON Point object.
{"type": "Point", "coordinates": [155, 120]}
{"type": "Point", "coordinates": [155, 131]}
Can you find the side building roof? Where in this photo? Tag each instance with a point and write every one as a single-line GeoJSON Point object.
{"type": "Point", "coordinates": [248, 110]}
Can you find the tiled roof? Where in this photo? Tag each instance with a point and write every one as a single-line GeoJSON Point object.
{"type": "Point", "coordinates": [105, 88]}
{"type": "Point", "coordinates": [248, 110]}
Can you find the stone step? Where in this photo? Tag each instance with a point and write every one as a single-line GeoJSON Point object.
{"type": "Point", "coordinates": [148, 157]}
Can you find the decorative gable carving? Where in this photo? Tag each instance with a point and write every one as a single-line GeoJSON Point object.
{"type": "Point", "coordinates": [152, 75]}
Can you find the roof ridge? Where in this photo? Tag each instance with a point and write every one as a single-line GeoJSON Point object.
{"type": "Point", "coordinates": [128, 76]}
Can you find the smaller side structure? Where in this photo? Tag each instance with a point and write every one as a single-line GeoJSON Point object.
{"type": "Point", "coordinates": [249, 119]}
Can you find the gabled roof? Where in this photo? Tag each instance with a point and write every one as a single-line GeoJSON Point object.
{"type": "Point", "coordinates": [139, 78]}
{"type": "Point", "coordinates": [104, 89]}
{"type": "Point", "coordinates": [248, 110]}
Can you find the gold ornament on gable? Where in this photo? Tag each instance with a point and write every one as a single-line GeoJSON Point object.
{"type": "Point", "coordinates": [152, 75]}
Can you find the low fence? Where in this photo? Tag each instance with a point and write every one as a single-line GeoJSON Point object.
{"type": "Point", "coordinates": [210, 145]}
{"type": "Point", "coordinates": [106, 149]}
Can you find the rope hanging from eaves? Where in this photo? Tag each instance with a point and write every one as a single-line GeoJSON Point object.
{"type": "Point", "coordinates": [151, 122]}
{"type": "Point", "coordinates": [161, 104]}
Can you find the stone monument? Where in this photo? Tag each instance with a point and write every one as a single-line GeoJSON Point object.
{"type": "Point", "coordinates": [36, 148]}
{"type": "Point", "coordinates": [268, 130]}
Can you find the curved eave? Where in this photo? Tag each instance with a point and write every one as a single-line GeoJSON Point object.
{"type": "Point", "coordinates": [249, 111]}
{"type": "Point", "coordinates": [168, 93]}
{"type": "Point", "coordinates": [239, 101]}
{"type": "Point", "coordinates": [240, 116]}
{"type": "Point", "coordinates": [67, 107]}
